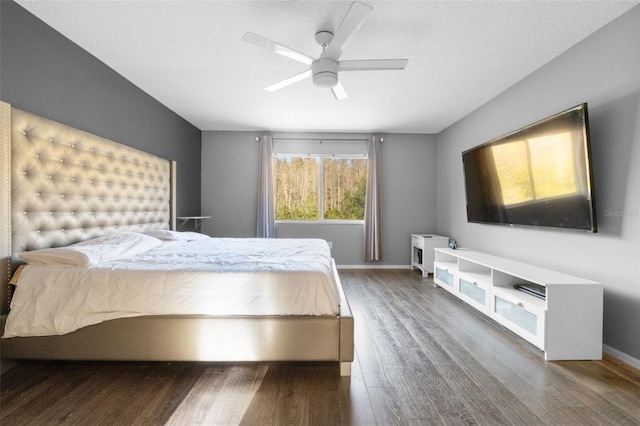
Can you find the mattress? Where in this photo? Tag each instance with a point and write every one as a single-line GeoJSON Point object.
{"type": "Point", "coordinates": [212, 276]}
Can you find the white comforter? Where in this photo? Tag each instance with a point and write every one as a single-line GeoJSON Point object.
{"type": "Point", "coordinates": [217, 276]}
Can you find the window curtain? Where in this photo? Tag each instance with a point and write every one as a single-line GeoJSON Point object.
{"type": "Point", "coordinates": [372, 220]}
{"type": "Point", "coordinates": [266, 226]}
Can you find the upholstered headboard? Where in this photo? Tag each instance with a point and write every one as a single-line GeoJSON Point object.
{"type": "Point", "coordinates": [61, 185]}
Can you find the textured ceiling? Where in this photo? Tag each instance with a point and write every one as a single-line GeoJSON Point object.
{"type": "Point", "coordinates": [190, 56]}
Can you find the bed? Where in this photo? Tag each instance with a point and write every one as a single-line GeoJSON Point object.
{"type": "Point", "coordinates": [60, 186]}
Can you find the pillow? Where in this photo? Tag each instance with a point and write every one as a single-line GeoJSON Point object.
{"type": "Point", "coordinates": [92, 252]}
{"type": "Point", "coordinates": [165, 234]}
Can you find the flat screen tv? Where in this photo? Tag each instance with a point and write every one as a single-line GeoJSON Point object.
{"type": "Point", "coordinates": [539, 175]}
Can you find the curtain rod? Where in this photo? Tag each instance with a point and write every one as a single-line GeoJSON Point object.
{"type": "Point", "coordinates": [322, 139]}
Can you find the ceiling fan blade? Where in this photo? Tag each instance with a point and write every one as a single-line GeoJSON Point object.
{"type": "Point", "coordinates": [372, 65]}
{"type": "Point", "coordinates": [288, 81]}
{"type": "Point", "coordinates": [350, 23]}
{"type": "Point", "coordinates": [338, 91]}
{"type": "Point", "coordinates": [274, 47]}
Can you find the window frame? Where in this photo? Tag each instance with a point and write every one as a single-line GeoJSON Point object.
{"type": "Point", "coordinates": [320, 158]}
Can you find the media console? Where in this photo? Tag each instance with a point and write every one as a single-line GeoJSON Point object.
{"type": "Point", "coordinates": [566, 323]}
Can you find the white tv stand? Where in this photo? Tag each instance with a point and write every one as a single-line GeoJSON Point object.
{"type": "Point", "coordinates": [566, 325]}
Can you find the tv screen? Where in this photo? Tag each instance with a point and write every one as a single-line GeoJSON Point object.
{"type": "Point", "coordinates": [537, 176]}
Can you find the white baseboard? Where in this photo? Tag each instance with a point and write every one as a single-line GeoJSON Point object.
{"type": "Point", "coordinates": [373, 266]}
{"type": "Point", "coordinates": [627, 359]}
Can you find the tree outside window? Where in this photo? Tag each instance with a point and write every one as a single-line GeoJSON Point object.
{"type": "Point", "coordinates": [300, 180]}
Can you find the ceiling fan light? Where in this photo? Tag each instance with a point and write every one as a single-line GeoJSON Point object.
{"type": "Point", "coordinates": [325, 79]}
{"type": "Point", "coordinates": [325, 73]}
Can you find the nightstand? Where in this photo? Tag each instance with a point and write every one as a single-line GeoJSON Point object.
{"type": "Point", "coordinates": [422, 254]}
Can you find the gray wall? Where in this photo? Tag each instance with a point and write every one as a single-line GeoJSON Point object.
{"type": "Point", "coordinates": [43, 72]}
{"type": "Point", "coordinates": [229, 195]}
{"type": "Point", "coordinates": [603, 70]}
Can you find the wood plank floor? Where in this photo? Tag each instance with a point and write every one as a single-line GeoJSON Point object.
{"type": "Point", "coordinates": [422, 358]}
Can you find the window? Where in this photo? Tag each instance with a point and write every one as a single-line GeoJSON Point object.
{"type": "Point", "coordinates": [320, 188]}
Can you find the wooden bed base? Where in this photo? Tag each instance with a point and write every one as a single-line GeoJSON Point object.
{"type": "Point", "coordinates": [146, 338]}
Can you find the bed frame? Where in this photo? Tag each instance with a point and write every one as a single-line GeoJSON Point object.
{"type": "Point", "coordinates": [60, 185]}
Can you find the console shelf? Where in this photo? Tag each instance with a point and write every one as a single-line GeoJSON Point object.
{"type": "Point", "coordinates": [566, 324]}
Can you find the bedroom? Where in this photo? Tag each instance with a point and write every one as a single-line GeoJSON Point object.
{"type": "Point", "coordinates": [61, 85]}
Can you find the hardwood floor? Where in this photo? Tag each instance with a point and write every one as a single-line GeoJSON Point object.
{"type": "Point", "coordinates": [422, 357]}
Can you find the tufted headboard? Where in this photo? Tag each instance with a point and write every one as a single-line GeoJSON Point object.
{"type": "Point", "coordinates": [60, 185]}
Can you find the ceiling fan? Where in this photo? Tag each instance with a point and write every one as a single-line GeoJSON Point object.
{"type": "Point", "coordinates": [324, 69]}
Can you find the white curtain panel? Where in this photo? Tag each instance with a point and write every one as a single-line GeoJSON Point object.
{"type": "Point", "coordinates": [372, 219]}
{"type": "Point", "coordinates": [266, 225]}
